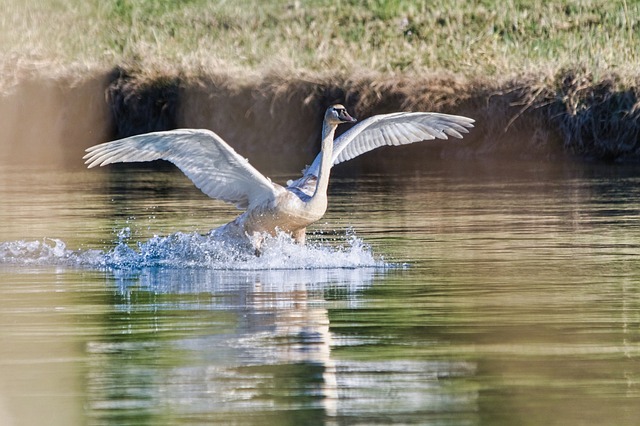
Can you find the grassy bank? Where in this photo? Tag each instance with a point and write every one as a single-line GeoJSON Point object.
{"type": "Point", "coordinates": [488, 38]}
{"type": "Point", "coordinates": [560, 74]}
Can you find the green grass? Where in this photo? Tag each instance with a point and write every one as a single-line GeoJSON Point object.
{"type": "Point", "coordinates": [481, 38]}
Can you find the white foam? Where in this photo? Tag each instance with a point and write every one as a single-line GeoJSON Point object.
{"type": "Point", "coordinates": [193, 250]}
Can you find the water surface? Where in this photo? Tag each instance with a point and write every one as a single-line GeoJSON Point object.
{"type": "Point", "coordinates": [469, 293]}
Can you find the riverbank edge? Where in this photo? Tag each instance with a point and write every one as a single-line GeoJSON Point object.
{"type": "Point", "coordinates": [571, 113]}
{"type": "Point", "coordinates": [273, 118]}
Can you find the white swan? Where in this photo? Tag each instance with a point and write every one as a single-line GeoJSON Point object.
{"type": "Point", "coordinates": [221, 173]}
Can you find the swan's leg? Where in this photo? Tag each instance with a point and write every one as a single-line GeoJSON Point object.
{"type": "Point", "coordinates": [256, 239]}
{"type": "Point", "coordinates": [300, 236]}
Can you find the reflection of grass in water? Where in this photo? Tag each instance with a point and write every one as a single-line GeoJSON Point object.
{"type": "Point", "coordinates": [471, 37]}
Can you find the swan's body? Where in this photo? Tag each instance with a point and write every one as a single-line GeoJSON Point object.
{"type": "Point", "coordinates": [221, 173]}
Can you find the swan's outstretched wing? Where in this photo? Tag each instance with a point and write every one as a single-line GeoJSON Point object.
{"type": "Point", "coordinates": [400, 128]}
{"type": "Point", "coordinates": [203, 156]}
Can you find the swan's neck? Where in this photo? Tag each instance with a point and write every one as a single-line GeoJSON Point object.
{"type": "Point", "coordinates": [328, 131]}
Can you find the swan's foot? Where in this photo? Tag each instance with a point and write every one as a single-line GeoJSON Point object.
{"type": "Point", "coordinates": [256, 240]}
{"type": "Point", "coordinates": [300, 236]}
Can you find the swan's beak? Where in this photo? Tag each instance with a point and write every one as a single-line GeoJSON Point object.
{"type": "Point", "coordinates": [346, 118]}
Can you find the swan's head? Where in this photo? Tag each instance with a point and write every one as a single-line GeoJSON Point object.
{"type": "Point", "coordinates": [337, 114]}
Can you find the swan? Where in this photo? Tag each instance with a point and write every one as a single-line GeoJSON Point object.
{"type": "Point", "coordinates": [216, 169]}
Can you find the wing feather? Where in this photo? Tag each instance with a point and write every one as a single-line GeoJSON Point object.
{"type": "Point", "coordinates": [204, 157]}
{"type": "Point", "coordinates": [400, 128]}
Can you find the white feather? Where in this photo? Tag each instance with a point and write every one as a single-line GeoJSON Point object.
{"type": "Point", "coordinates": [221, 173]}
{"type": "Point", "coordinates": [400, 128]}
{"type": "Point", "coordinates": [203, 157]}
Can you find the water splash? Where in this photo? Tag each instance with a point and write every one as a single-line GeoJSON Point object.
{"type": "Point", "coordinates": [192, 250]}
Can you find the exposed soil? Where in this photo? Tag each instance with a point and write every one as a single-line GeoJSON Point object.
{"type": "Point", "coordinates": [275, 121]}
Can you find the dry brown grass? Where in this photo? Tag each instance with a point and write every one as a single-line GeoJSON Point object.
{"type": "Point", "coordinates": [598, 118]}
{"type": "Point", "coordinates": [525, 117]}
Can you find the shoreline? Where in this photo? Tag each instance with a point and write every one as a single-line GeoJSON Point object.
{"type": "Point", "coordinates": [571, 114]}
{"type": "Point", "coordinates": [543, 79]}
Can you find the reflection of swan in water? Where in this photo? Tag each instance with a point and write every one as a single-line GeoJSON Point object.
{"type": "Point", "coordinates": [229, 346]}
{"type": "Point", "coordinates": [274, 338]}
{"type": "Point", "coordinates": [221, 173]}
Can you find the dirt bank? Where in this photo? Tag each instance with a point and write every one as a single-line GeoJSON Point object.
{"type": "Point", "coordinates": [275, 121]}
{"type": "Point", "coordinates": [51, 120]}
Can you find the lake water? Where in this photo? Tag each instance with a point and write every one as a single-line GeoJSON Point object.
{"type": "Point", "coordinates": [468, 293]}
